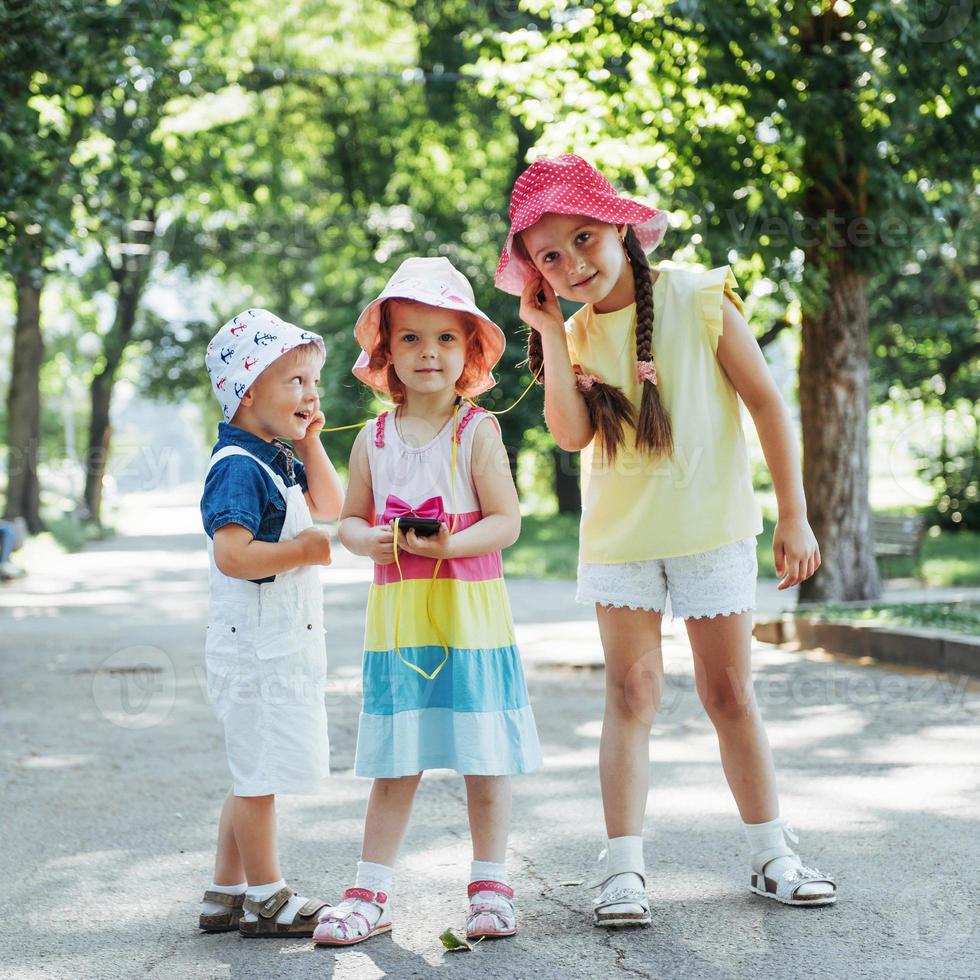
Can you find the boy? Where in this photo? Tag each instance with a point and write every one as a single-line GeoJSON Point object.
{"type": "Point", "coordinates": [264, 655]}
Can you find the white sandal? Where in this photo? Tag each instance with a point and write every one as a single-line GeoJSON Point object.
{"type": "Point", "coordinates": [491, 910]}
{"type": "Point", "coordinates": [346, 923]}
{"type": "Point", "coordinates": [786, 887]}
{"type": "Point", "coordinates": [613, 894]}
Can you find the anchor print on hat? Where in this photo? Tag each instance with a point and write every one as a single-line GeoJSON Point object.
{"type": "Point", "coordinates": [243, 348]}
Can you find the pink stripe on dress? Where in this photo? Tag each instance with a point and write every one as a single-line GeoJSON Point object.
{"type": "Point", "coordinates": [480, 568]}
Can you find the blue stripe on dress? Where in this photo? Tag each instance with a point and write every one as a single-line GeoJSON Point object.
{"type": "Point", "coordinates": [498, 743]}
{"type": "Point", "coordinates": [487, 679]}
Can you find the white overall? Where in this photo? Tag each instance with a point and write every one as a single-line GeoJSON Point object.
{"type": "Point", "coordinates": [266, 666]}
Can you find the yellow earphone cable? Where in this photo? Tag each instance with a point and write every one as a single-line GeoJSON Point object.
{"type": "Point", "coordinates": [435, 573]}
{"type": "Point", "coordinates": [504, 411]}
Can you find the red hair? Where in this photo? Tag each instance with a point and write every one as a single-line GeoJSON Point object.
{"type": "Point", "coordinates": [474, 359]}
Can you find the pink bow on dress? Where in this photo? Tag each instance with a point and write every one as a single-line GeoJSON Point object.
{"type": "Point", "coordinates": [431, 509]}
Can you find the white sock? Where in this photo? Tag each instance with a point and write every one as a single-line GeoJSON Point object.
{"type": "Point", "coordinates": [376, 877]}
{"type": "Point", "coordinates": [625, 852]}
{"type": "Point", "coordinates": [212, 908]}
{"type": "Point", "coordinates": [488, 871]}
{"type": "Point", "coordinates": [259, 893]}
{"type": "Point", "coordinates": [766, 841]}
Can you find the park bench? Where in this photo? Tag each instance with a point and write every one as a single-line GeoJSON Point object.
{"type": "Point", "coordinates": [897, 537]}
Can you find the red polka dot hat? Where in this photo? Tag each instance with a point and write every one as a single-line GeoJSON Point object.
{"type": "Point", "coordinates": [569, 185]}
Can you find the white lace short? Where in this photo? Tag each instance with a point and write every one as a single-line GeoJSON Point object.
{"type": "Point", "coordinates": [714, 583]}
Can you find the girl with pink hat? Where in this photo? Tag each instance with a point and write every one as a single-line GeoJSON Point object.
{"type": "Point", "coordinates": [646, 378]}
{"type": "Point", "coordinates": [432, 501]}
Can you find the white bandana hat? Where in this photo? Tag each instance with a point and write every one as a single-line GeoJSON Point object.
{"type": "Point", "coordinates": [243, 348]}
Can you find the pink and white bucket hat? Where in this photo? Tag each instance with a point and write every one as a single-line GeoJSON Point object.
{"type": "Point", "coordinates": [243, 348]}
{"type": "Point", "coordinates": [569, 185]}
{"type": "Point", "coordinates": [435, 282]}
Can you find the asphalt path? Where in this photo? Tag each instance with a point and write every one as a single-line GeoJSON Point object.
{"type": "Point", "coordinates": [112, 774]}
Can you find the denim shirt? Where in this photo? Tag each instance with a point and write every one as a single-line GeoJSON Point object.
{"type": "Point", "coordinates": [239, 491]}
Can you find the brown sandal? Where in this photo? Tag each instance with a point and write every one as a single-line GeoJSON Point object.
{"type": "Point", "coordinates": [267, 923]}
{"type": "Point", "coordinates": [221, 921]}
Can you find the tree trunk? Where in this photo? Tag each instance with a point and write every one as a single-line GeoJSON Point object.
{"type": "Point", "coordinates": [834, 402]}
{"type": "Point", "coordinates": [131, 278]}
{"type": "Point", "coordinates": [99, 437]}
{"type": "Point", "coordinates": [24, 401]}
{"type": "Point", "coordinates": [567, 489]}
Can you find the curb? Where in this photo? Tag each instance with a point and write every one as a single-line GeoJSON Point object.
{"type": "Point", "coordinates": [940, 650]}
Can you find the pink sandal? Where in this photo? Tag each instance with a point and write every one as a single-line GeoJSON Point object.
{"type": "Point", "coordinates": [491, 910]}
{"type": "Point", "coordinates": [346, 923]}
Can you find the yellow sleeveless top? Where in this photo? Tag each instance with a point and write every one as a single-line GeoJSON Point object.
{"type": "Point", "coordinates": [641, 507]}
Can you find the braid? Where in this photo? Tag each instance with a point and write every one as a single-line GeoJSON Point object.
{"type": "Point", "coordinates": [653, 428]}
{"type": "Point", "coordinates": [644, 295]}
{"type": "Point", "coordinates": [535, 354]}
{"type": "Point", "coordinates": [535, 350]}
{"type": "Point", "coordinates": [609, 412]}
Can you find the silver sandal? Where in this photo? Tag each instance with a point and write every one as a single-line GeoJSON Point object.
{"type": "Point", "coordinates": [619, 895]}
{"type": "Point", "coordinates": [786, 888]}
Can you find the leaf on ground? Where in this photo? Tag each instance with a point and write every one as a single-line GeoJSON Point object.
{"type": "Point", "coordinates": [454, 943]}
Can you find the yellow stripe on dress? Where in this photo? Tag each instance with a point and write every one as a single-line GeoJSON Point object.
{"type": "Point", "coordinates": [469, 614]}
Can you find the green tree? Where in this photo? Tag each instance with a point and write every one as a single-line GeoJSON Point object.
{"type": "Point", "coordinates": [925, 340]}
{"type": "Point", "coordinates": [338, 143]}
{"type": "Point", "coordinates": [791, 139]}
{"type": "Point", "coordinates": [59, 61]}
{"type": "Point", "coordinates": [127, 181]}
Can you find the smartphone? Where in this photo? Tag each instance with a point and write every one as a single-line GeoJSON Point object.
{"type": "Point", "coordinates": [424, 527]}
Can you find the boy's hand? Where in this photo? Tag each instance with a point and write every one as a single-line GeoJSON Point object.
{"type": "Point", "coordinates": [381, 551]}
{"type": "Point", "coordinates": [313, 429]}
{"type": "Point", "coordinates": [316, 545]}
{"type": "Point", "coordinates": [436, 546]}
{"type": "Point", "coordinates": [795, 551]}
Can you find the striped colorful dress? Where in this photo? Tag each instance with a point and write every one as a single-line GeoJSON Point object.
{"type": "Point", "coordinates": [474, 716]}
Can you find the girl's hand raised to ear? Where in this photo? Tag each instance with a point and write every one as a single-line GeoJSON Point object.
{"type": "Point", "coordinates": [543, 315]}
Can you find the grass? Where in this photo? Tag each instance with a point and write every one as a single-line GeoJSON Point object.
{"type": "Point", "coordinates": [548, 548]}
{"type": "Point", "coordinates": [962, 617]}
{"type": "Point", "coordinates": [72, 534]}
{"type": "Point", "coordinates": [948, 559]}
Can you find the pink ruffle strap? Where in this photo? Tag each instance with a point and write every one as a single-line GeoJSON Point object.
{"type": "Point", "coordinates": [379, 430]}
{"type": "Point", "coordinates": [474, 410]}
